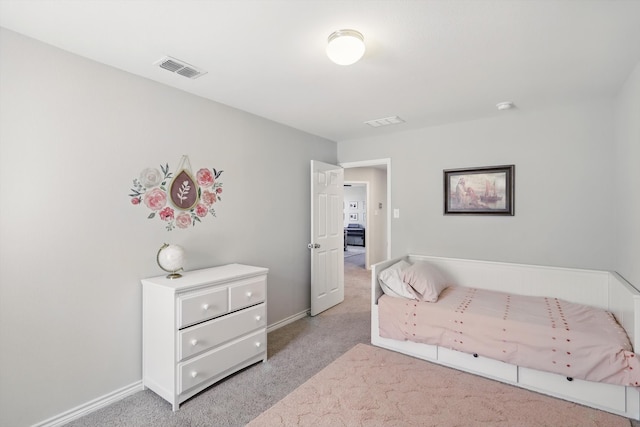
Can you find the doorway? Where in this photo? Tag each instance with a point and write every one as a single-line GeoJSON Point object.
{"type": "Point", "coordinates": [327, 272]}
{"type": "Point", "coordinates": [356, 196]}
{"type": "Point", "coordinates": [375, 214]}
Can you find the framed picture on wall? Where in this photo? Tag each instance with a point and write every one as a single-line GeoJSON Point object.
{"type": "Point", "coordinates": [353, 217]}
{"type": "Point", "coordinates": [353, 205]}
{"type": "Point", "coordinates": [479, 191]}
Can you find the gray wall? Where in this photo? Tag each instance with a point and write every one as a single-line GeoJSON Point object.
{"type": "Point", "coordinates": [74, 134]}
{"type": "Point", "coordinates": [626, 206]}
{"type": "Point", "coordinates": [355, 193]}
{"type": "Point", "coordinates": [564, 178]}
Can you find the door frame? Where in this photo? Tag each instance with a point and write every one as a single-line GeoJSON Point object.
{"type": "Point", "coordinates": [377, 162]}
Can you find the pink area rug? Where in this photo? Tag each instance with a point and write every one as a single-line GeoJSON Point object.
{"type": "Point", "coordinates": [370, 386]}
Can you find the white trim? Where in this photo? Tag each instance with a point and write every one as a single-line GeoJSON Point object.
{"type": "Point", "coordinates": [91, 406]}
{"type": "Point", "coordinates": [365, 163]}
{"type": "Point", "coordinates": [288, 320]}
{"type": "Point", "coordinates": [114, 396]}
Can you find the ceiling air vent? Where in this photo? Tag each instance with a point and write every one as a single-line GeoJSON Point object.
{"type": "Point", "coordinates": [180, 67]}
{"type": "Point", "coordinates": [393, 120]}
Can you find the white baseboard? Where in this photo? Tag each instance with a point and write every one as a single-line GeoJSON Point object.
{"type": "Point", "coordinates": [288, 320]}
{"type": "Point", "coordinates": [91, 406]}
{"type": "Point", "coordinates": [126, 391]}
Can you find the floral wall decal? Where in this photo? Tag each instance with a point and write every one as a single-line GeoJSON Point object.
{"type": "Point", "coordinates": [181, 200]}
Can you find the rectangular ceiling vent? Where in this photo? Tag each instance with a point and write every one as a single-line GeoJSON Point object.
{"type": "Point", "coordinates": [180, 67]}
{"type": "Point", "coordinates": [386, 121]}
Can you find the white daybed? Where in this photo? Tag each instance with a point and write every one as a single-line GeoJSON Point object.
{"type": "Point", "coordinates": [602, 289]}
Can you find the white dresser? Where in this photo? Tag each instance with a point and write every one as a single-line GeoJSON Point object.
{"type": "Point", "coordinates": [202, 327]}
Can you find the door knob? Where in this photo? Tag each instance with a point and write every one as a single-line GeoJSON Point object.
{"type": "Point", "coordinates": [313, 245]}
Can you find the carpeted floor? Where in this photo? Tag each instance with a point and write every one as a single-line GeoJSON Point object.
{"type": "Point", "coordinates": [355, 256]}
{"type": "Point", "coordinates": [370, 386]}
{"type": "Point", "coordinates": [296, 352]}
{"type": "Point", "coordinates": [354, 250]}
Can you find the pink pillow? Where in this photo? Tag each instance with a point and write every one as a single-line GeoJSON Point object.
{"type": "Point", "coordinates": [425, 279]}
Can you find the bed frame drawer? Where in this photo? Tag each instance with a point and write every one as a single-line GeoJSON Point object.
{"type": "Point", "coordinates": [478, 364]}
{"type": "Point", "coordinates": [599, 394]}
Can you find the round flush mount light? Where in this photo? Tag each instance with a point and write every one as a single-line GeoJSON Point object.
{"type": "Point", "coordinates": [345, 47]}
{"type": "Point", "coordinates": [505, 105]}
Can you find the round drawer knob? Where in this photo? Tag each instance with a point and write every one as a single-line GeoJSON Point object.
{"type": "Point", "coordinates": [258, 318]}
{"type": "Point", "coordinates": [194, 374]}
{"type": "Point", "coordinates": [569, 379]}
{"type": "Point", "coordinates": [475, 354]}
{"type": "Point", "coordinates": [194, 342]}
{"type": "Point", "coordinates": [249, 294]}
{"type": "Point", "coordinates": [205, 306]}
{"type": "Point", "coordinates": [258, 344]}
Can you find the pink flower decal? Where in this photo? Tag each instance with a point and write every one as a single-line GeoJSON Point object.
{"type": "Point", "coordinates": [154, 189]}
{"type": "Point", "coordinates": [208, 198]}
{"type": "Point", "coordinates": [155, 199]}
{"type": "Point", "coordinates": [201, 210]}
{"type": "Point", "coordinates": [166, 214]}
{"type": "Point", "coordinates": [183, 220]}
{"type": "Point", "coordinates": [205, 178]}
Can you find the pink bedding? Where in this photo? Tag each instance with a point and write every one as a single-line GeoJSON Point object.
{"type": "Point", "coordinates": [541, 333]}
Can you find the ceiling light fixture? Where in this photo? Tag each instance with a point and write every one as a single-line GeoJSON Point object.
{"type": "Point", "coordinates": [345, 47]}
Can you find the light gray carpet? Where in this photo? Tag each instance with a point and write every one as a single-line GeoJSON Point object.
{"type": "Point", "coordinates": [296, 352]}
{"type": "Point", "coordinates": [355, 255]}
{"type": "Point", "coordinates": [354, 250]}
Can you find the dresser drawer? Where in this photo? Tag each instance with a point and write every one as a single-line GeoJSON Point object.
{"type": "Point", "coordinates": [216, 362]}
{"type": "Point", "coordinates": [248, 292]}
{"type": "Point", "coordinates": [482, 365]}
{"type": "Point", "coordinates": [601, 394]}
{"type": "Point", "coordinates": [202, 337]}
{"type": "Point", "coordinates": [202, 305]}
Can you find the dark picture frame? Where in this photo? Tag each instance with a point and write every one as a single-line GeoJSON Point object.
{"type": "Point", "coordinates": [486, 190]}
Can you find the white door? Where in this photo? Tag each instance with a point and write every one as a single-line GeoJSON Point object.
{"type": "Point", "coordinates": [327, 236]}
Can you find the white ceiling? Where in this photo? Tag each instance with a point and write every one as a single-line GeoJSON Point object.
{"type": "Point", "coordinates": [429, 62]}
